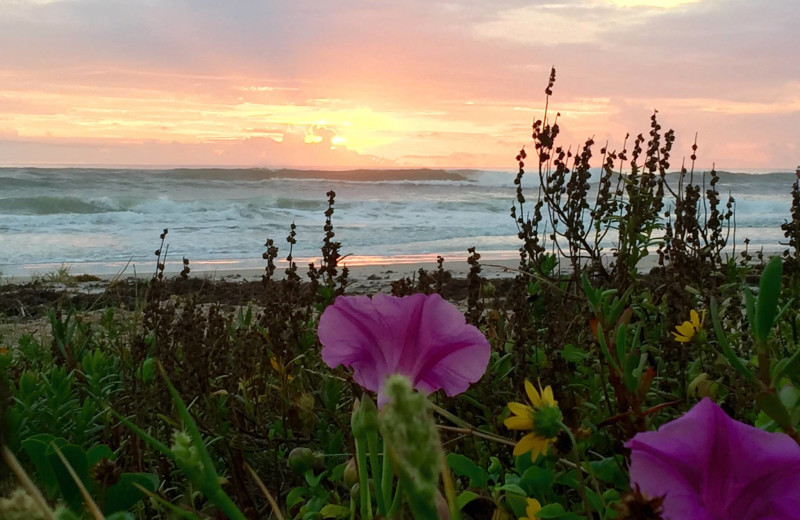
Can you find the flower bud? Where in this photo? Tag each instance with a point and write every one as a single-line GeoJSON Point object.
{"type": "Point", "coordinates": [350, 475]}
{"type": "Point", "coordinates": [301, 460]}
{"type": "Point", "coordinates": [365, 417]}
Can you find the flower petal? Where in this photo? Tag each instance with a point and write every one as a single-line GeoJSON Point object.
{"type": "Point", "coordinates": [539, 447]}
{"type": "Point", "coordinates": [533, 394]}
{"type": "Point", "coordinates": [520, 409]}
{"type": "Point", "coordinates": [421, 336]}
{"type": "Point", "coordinates": [686, 329]}
{"type": "Point", "coordinates": [547, 396]}
{"type": "Point", "coordinates": [448, 353]}
{"type": "Point", "coordinates": [519, 423]}
{"type": "Point", "coordinates": [533, 507]}
{"type": "Point", "coordinates": [352, 334]}
{"type": "Point", "coordinates": [681, 338]}
{"type": "Point", "coordinates": [525, 444]}
{"type": "Point", "coordinates": [695, 318]}
{"type": "Point", "coordinates": [710, 466]}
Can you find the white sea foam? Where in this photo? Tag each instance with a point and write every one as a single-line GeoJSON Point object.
{"type": "Point", "coordinates": [108, 216]}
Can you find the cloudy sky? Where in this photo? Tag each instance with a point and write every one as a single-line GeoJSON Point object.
{"type": "Point", "coordinates": [354, 83]}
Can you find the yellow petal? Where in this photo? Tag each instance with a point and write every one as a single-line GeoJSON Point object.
{"type": "Point", "coordinates": [533, 507]}
{"type": "Point", "coordinates": [702, 318]}
{"type": "Point", "coordinates": [519, 423]}
{"type": "Point", "coordinates": [520, 409]}
{"type": "Point", "coordinates": [547, 396]}
{"type": "Point", "coordinates": [533, 395]}
{"type": "Point", "coordinates": [695, 318]}
{"type": "Point", "coordinates": [686, 329]}
{"type": "Point", "coordinates": [525, 444]}
{"type": "Point", "coordinates": [681, 338]}
{"type": "Point", "coordinates": [539, 447]}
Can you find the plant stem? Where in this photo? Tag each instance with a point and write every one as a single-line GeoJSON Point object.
{"type": "Point", "coordinates": [581, 487]}
{"type": "Point", "coordinates": [387, 477]}
{"type": "Point", "coordinates": [226, 505]}
{"type": "Point", "coordinates": [377, 471]}
{"type": "Point", "coordinates": [363, 479]}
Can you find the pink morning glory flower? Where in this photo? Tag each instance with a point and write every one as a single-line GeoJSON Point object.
{"type": "Point", "coordinates": [422, 337]}
{"type": "Point", "coordinates": [711, 467]}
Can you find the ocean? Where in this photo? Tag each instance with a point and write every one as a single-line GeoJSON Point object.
{"type": "Point", "coordinates": [97, 221]}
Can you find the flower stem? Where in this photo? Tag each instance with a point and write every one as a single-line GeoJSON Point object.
{"type": "Point", "coordinates": [387, 477]}
{"type": "Point", "coordinates": [449, 488]}
{"type": "Point", "coordinates": [581, 487]}
{"type": "Point", "coordinates": [377, 472]}
{"type": "Point", "coordinates": [398, 492]}
{"type": "Point", "coordinates": [363, 479]}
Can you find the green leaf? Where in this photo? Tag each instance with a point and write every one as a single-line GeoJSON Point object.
{"type": "Point", "coordinates": [120, 515]}
{"type": "Point", "coordinates": [620, 345]}
{"type": "Point", "coordinates": [590, 292]}
{"type": "Point", "coordinates": [465, 467]}
{"type": "Point", "coordinates": [75, 457]}
{"type": "Point", "coordinates": [551, 511]}
{"type": "Point", "coordinates": [594, 499]}
{"type": "Point", "coordinates": [768, 294]}
{"type": "Point", "coordinates": [557, 511]}
{"type": "Point", "coordinates": [631, 366]}
{"type": "Point", "coordinates": [66, 514]}
{"type": "Point", "coordinates": [609, 470]}
{"type": "Point", "coordinates": [774, 408]}
{"type": "Point", "coordinates": [335, 511]}
{"type": "Point", "coordinates": [536, 480]}
{"type": "Point", "coordinates": [147, 370]}
{"type": "Point", "coordinates": [512, 488]}
{"type": "Point", "coordinates": [124, 494]}
{"type": "Point", "coordinates": [465, 498]}
{"type": "Point", "coordinates": [98, 452]}
{"type": "Point", "coordinates": [314, 480]}
{"type": "Point", "coordinates": [786, 366]}
{"type": "Point", "coordinates": [573, 354]}
{"type": "Point", "coordinates": [296, 496]}
{"type": "Point", "coordinates": [36, 448]}
{"type": "Point", "coordinates": [517, 503]}
{"type": "Point", "coordinates": [604, 348]}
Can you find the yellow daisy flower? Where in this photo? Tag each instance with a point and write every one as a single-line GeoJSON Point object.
{"type": "Point", "coordinates": [532, 509]}
{"type": "Point", "coordinates": [543, 419]}
{"type": "Point", "coordinates": [687, 330]}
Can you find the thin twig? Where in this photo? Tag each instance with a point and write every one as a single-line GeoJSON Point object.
{"type": "Point", "coordinates": [275, 508]}
{"type": "Point", "coordinates": [87, 498]}
{"type": "Point", "coordinates": [477, 433]}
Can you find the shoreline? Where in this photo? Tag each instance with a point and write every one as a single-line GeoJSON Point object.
{"type": "Point", "coordinates": [363, 278]}
{"type": "Point", "coordinates": [494, 264]}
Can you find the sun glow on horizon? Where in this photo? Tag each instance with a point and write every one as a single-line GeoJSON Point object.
{"type": "Point", "coordinates": [417, 84]}
{"type": "Point", "coordinates": [661, 4]}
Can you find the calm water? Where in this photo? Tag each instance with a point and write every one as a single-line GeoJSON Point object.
{"type": "Point", "coordinates": [96, 220]}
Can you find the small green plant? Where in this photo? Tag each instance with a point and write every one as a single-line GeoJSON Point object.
{"type": "Point", "coordinates": [61, 275]}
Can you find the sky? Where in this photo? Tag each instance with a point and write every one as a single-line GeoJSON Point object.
{"type": "Point", "coordinates": [376, 83]}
